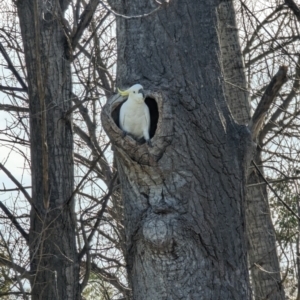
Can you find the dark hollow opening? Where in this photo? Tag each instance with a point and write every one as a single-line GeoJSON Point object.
{"type": "Point", "coordinates": [153, 109]}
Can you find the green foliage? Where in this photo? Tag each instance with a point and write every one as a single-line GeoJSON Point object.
{"type": "Point", "coordinates": [286, 224]}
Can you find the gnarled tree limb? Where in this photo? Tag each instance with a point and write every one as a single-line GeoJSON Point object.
{"type": "Point", "coordinates": [271, 92]}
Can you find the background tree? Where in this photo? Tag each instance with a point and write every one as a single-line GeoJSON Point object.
{"type": "Point", "coordinates": [92, 52]}
{"type": "Point", "coordinates": [270, 36]}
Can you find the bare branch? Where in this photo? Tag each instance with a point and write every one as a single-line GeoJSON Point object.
{"type": "Point", "coordinates": [8, 107]}
{"type": "Point", "coordinates": [9, 88]}
{"type": "Point", "coordinates": [92, 34]}
{"type": "Point", "coordinates": [83, 179]}
{"type": "Point", "coordinates": [15, 189]}
{"type": "Point", "coordinates": [85, 20]}
{"type": "Point", "coordinates": [12, 68]}
{"type": "Point", "coordinates": [6, 262]}
{"type": "Point", "coordinates": [88, 257]}
{"type": "Point", "coordinates": [16, 182]}
{"type": "Point", "coordinates": [92, 140]}
{"type": "Point", "coordinates": [99, 216]}
{"type": "Point", "coordinates": [271, 92]}
{"type": "Point", "coordinates": [14, 221]}
{"type": "Point", "coordinates": [3, 294]}
{"type": "Point", "coordinates": [294, 7]}
{"type": "Point", "coordinates": [88, 163]}
{"type": "Point", "coordinates": [112, 279]}
{"type": "Point", "coordinates": [19, 185]}
{"type": "Point", "coordinates": [282, 108]}
{"type": "Point", "coordinates": [286, 179]}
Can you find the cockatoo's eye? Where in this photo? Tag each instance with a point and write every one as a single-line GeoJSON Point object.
{"type": "Point", "coordinates": [134, 92]}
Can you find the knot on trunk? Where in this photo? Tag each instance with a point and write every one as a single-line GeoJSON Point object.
{"type": "Point", "coordinates": [167, 236]}
{"type": "Point", "coordinates": [161, 129]}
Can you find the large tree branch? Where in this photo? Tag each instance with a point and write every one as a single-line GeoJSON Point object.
{"type": "Point", "coordinates": [8, 107]}
{"type": "Point", "coordinates": [6, 262]}
{"type": "Point", "coordinates": [263, 106]}
{"type": "Point", "coordinates": [14, 221]}
{"type": "Point", "coordinates": [85, 20]}
{"type": "Point", "coordinates": [294, 7]}
{"type": "Point", "coordinates": [12, 89]}
{"type": "Point", "coordinates": [12, 68]}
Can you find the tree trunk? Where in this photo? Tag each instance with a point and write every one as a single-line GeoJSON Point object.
{"type": "Point", "coordinates": [52, 244]}
{"type": "Point", "coordinates": [262, 254]}
{"type": "Point", "coordinates": [262, 249]}
{"type": "Point", "coordinates": [236, 89]}
{"type": "Point", "coordinates": [183, 197]}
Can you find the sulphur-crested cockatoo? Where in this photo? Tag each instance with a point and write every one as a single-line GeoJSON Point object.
{"type": "Point", "coordinates": [134, 116]}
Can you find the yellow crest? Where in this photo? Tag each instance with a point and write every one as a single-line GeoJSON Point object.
{"type": "Point", "coordinates": [123, 93]}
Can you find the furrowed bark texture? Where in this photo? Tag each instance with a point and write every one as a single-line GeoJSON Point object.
{"type": "Point", "coordinates": [262, 254]}
{"type": "Point", "coordinates": [236, 91]}
{"type": "Point", "coordinates": [183, 197]}
{"type": "Point", "coordinates": [52, 245]}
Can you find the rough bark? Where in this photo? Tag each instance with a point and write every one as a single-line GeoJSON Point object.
{"type": "Point", "coordinates": [262, 254]}
{"type": "Point", "coordinates": [236, 89]}
{"type": "Point", "coordinates": [53, 255]}
{"type": "Point", "coordinates": [183, 197]}
{"type": "Point", "coordinates": [263, 258]}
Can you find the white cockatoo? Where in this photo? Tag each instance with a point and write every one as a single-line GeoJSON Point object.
{"type": "Point", "coordinates": [134, 117]}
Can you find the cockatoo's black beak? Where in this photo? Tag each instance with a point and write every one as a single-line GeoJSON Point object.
{"type": "Point", "coordinates": [141, 91]}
